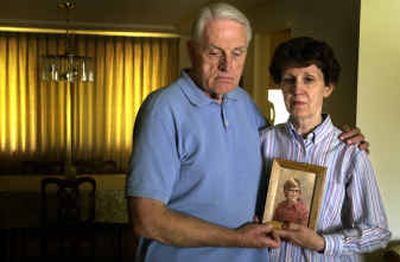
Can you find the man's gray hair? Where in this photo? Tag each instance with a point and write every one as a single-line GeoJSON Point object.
{"type": "Point", "coordinates": [218, 11]}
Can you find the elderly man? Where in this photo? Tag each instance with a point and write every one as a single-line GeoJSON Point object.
{"type": "Point", "coordinates": [196, 163]}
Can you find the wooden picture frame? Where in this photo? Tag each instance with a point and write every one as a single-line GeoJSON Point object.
{"type": "Point", "coordinates": [306, 181]}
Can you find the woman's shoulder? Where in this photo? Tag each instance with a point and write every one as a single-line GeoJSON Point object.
{"type": "Point", "coordinates": [273, 129]}
{"type": "Point", "coordinates": [341, 145]}
{"type": "Point", "coordinates": [351, 157]}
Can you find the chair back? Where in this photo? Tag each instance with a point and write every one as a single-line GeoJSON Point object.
{"type": "Point", "coordinates": [71, 201]}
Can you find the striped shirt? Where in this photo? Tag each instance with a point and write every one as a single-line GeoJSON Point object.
{"type": "Point", "coordinates": [352, 217]}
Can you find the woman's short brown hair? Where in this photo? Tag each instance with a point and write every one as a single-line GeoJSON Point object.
{"type": "Point", "coordinates": [303, 52]}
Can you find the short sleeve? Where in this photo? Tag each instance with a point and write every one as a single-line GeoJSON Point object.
{"type": "Point", "coordinates": [154, 162]}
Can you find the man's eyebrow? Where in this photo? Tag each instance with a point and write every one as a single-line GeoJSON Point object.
{"type": "Point", "coordinates": [216, 47]}
{"type": "Point", "coordinates": [241, 48]}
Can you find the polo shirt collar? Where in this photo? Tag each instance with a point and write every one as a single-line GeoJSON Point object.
{"type": "Point", "coordinates": [318, 134]}
{"type": "Point", "coordinates": [196, 96]}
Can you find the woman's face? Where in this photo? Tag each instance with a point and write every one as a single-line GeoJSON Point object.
{"type": "Point", "coordinates": [304, 90]}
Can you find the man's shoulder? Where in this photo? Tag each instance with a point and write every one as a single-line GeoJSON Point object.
{"type": "Point", "coordinates": [164, 95]}
{"type": "Point", "coordinates": [241, 93]}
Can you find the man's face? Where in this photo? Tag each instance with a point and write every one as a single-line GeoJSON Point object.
{"type": "Point", "coordinates": [218, 59]}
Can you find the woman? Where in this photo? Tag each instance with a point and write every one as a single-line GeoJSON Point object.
{"type": "Point", "coordinates": [352, 218]}
{"type": "Point", "coordinates": [293, 208]}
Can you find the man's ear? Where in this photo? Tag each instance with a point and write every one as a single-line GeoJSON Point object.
{"type": "Point", "coordinates": [328, 90]}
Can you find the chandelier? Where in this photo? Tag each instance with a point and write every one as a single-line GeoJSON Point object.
{"type": "Point", "coordinates": [70, 66]}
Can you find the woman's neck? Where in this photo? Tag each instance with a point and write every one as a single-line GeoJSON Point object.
{"type": "Point", "coordinates": [304, 126]}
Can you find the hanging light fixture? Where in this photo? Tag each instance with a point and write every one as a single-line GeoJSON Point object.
{"type": "Point", "coordinates": [70, 66]}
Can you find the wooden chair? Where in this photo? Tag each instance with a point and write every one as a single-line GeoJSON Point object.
{"type": "Point", "coordinates": [67, 216]}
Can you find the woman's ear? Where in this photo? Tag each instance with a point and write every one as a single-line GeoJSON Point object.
{"type": "Point", "coordinates": [328, 90]}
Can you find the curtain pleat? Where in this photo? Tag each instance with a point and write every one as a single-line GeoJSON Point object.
{"type": "Point", "coordinates": [38, 119]}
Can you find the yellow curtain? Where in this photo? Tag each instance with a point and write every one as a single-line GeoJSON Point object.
{"type": "Point", "coordinates": [34, 114]}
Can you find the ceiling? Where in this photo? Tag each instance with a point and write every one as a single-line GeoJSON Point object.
{"type": "Point", "coordinates": [151, 15]}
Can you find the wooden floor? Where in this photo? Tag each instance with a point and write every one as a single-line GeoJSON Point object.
{"type": "Point", "coordinates": [99, 242]}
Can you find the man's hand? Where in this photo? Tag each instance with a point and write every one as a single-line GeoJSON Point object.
{"type": "Point", "coordinates": [255, 235]}
{"type": "Point", "coordinates": [353, 136]}
{"type": "Point", "coordinates": [302, 236]}
{"type": "Point", "coordinates": [154, 220]}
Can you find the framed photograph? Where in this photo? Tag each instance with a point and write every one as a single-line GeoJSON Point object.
{"type": "Point", "coordinates": [295, 192]}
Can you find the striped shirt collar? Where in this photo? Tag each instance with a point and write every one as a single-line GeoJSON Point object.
{"type": "Point", "coordinates": [317, 135]}
{"type": "Point", "coordinates": [196, 96]}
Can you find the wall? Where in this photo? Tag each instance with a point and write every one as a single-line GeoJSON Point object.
{"type": "Point", "coordinates": [254, 78]}
{"type": "Point", "coordinates": [333, 21]}
{"type": "Point", "coordinates": [379, 96]}
{"type": "Point", "coordinates": [184, 59]}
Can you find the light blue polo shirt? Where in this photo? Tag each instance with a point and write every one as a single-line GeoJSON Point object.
{"type": "Point", "coordinates": [200, 158]}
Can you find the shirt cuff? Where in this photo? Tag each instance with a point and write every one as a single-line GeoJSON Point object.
{"type": "Point", "coordinates": [333, 244]}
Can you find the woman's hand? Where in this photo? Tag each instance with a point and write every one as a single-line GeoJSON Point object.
{"type": "Point", "coordinates": [301, 236]}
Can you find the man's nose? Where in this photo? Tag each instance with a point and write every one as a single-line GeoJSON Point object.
{"type": "Point", "coordinates": [225, 63]}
